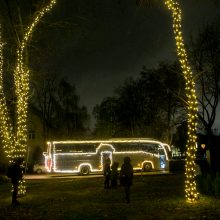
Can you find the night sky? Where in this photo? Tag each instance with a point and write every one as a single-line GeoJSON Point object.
{"type": "Point", "coordinates": [112, 41]}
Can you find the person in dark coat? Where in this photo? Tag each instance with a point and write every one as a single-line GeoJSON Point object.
{"type": "Point", "coordinates": [114, 175]}
{"type": "Point", "coordinates": [15, 173]}
{"type": "Point", "coordinates": [126, 177]}
{"type": "Point", "coordinates": [107, 173]}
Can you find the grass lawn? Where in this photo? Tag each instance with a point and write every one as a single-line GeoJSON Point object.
{"type": "Point", "coordinates": [152, 197]}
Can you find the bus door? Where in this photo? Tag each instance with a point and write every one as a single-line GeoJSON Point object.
{"type": "Point", "coordinates": [104, 156]}
{"type": "Point", "coordinates": [48, 157]}
{"type": "Point", "coordinates": [162, 158]}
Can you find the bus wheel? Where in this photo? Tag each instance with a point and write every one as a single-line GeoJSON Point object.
{"type": "Point", "coordinates": [147, 167]}
{"type": "Point", "coordinates": [85, 170]}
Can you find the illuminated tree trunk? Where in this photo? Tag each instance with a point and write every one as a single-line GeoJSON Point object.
{"type": "Point", "coordinates": [190, 184]}
{"type": "Point", "coordinates": [15, 142]}
{"type": "Point", "coordinates": [5, 126]}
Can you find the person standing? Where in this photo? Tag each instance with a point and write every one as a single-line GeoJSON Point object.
{"type": "Point", "coordinates": [107, 172]}
{"type": "Point", "coordinates": [15, 173]}
{"type": "Point", "coordinates": [114, 175]}
{"type": "Point", "coordinates": [126, 177]}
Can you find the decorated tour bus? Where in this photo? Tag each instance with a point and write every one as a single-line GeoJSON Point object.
{"type": "Point", "coordinates": [85, 157]}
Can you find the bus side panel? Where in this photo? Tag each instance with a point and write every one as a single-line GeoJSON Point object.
{"type": "Point", "coordinates": [71, 162]}
{"type": "Point", "coordinates": [137, 159]}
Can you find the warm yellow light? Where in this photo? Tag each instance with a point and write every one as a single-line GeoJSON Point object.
{"type": "Point", "coordinates": [21, 79]}
{"type": "Point", "coordinates": [144, 155]}
{"type": "Point", "coordinates": [15, 141]}
{"type": "Point", "coordinates": [5, 125]}
{"type": "Point", "coordinates": [190, 184]}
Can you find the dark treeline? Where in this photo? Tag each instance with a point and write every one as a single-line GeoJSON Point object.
{"type": "Point", "coordinates": [58, 105]}
{"type": "Point", "coordinates": [150, 106]}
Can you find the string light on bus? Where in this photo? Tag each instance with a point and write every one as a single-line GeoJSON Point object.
{"type": "Point", "coordinates": [190, 184]}
{"type": "Point", "coordinates": [77, 168]}
{"type": "Point", "coordinates": [104, 147]}
{"type": "Point", "coordinates": [106, 142]}
{"type": "Point", "coordinates": [102, 157]}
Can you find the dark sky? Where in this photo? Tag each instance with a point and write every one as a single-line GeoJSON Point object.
{"type": "Point", "coordinates": [112, 41]}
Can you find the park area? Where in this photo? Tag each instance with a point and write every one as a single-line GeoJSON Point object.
{"type": "Point", "coordinates": [152, 197]}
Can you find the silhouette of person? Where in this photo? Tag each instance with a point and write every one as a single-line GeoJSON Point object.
{"type": "Point", "coordinates": [126, 177]}
{"type": "Point", "coordinates": [15, 173]}
{"type": "Point", "coordinates": [107, 173]}
{"type": "Point", "coordinates": [114, 175]}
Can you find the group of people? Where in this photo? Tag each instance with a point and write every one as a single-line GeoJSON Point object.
{"type": "Point", "coordinates": [112, 176]}
{"type": "Point", "coordinates": [124, 177]}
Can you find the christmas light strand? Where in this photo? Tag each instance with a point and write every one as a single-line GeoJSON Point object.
{"type": "Point", "coordinates": [5, 125]}
{"type": "Point", "coordinates": [190, 184]}
{"type": "Point", "coordinates": [21, 78]}
{"type": "Point", "coordinates": [61, 150]}
{"type": "Point", "coordinates": [14, 142]}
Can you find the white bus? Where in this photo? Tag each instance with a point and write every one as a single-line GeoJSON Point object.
{"type": "Point", "coordinates": [85, 157]}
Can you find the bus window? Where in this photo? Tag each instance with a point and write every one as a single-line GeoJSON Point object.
{"type": "Point", "coordinates": [75, 148]}
{"type": "Point", "coordinates": [123, 147]}
{"type": "Point", "coordinates": [150, 147]}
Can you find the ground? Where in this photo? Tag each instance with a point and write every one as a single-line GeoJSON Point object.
{"type": "Point", "coordinates": [152, 197]}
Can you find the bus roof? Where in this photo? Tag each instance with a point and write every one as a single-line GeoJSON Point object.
{"type": "Point", "coordinates": [112, 140]}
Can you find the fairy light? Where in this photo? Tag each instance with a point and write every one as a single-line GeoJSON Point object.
{"type": "Point", "coordinates": [21, 78]}
{"type": "Point", "coordinates": [5, 125]}
{"type": "Point", "coordinates": [15, 142]}
{"type": "Point", "coordinates": [104, 147]}
{"type": "Point", "coordinates": [190, 184]}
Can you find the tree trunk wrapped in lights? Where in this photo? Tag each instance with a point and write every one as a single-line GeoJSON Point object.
{"type": "Point", "coordinates": [15, 142]}
{"type": "Point", "coordinates": [190, 184]}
